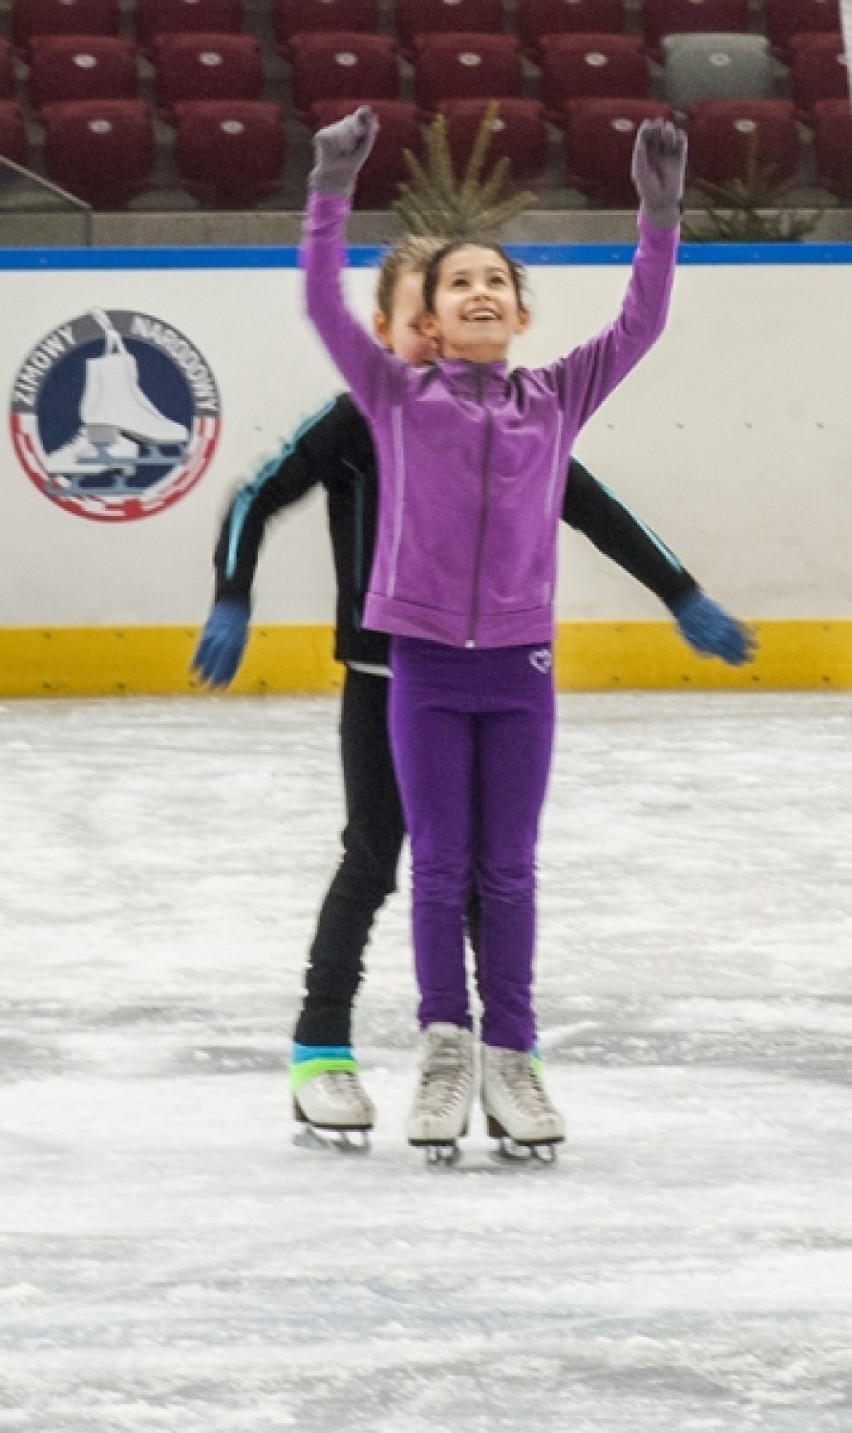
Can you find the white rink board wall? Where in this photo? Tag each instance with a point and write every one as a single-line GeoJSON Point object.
{"type": "Point", "coordinates": [733, 439]}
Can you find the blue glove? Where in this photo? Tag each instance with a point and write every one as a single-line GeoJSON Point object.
{"type": "Point", "coordinates": [658, 171]}
{"type": "Point", "coordinates": [340, 150]}
{"type": "Point", "coordinates": [710, 631]}
{"type": "Point", "coordinates": [222, 643]}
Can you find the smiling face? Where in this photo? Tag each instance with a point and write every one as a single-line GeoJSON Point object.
{"type": "Point", "coordinates": [400, 330]}
{"type": "Point", "coordinates": [476, 309]}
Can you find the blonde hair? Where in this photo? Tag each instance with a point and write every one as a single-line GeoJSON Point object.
{"type": "Point", "coordinates": [412, 254]}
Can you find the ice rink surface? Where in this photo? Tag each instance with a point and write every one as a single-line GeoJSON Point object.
{"type": "Point", "coordinates": [171, 1263]}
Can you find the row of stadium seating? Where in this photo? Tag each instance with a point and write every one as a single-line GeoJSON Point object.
{"type": "Point", "coordinates": [530, 19]}
{"type": "Point", "coordinates": [215, 113]}
{"type": "Point", "coordinates": [232, 153]}
{"type": "Point", "coordinates": [445, 66]}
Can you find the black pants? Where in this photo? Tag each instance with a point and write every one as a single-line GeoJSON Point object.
{"type": "Point", "coordinates": [366, 876]}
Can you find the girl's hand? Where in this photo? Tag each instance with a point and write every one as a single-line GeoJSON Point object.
{"type": "Point", "coordinates": [220, 649]}
{"type": "Point", "coordinates": [711, 631]}
{"type": "Point", "coordinates": [658, 170]}
{"type": "Point", "coordinates": [340, 150]}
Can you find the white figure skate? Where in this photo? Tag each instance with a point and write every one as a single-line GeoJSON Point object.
{"type": "Point", "coordinates": [115, 414]}
{"type": "Point", "coordinates": [334, 1112]}
{"type": "Point", "coordinates": [517, 1108]}
{"type": "Point", "coordinates": [441, 1110]}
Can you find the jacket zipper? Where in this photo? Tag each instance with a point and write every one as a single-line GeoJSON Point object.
{"type": "Point", "coordinates": [480, 542]}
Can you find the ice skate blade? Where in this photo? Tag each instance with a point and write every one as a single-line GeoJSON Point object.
{"type": "Point", "coordinates": [338, 1141]}
{"type": "Point", "coordinates": [509, 1151]}
{"type": "Point", "coordinates": [441, 1156]}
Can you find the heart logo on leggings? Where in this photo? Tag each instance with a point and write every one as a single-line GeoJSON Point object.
{"type": "Point", "coordinates": [541, 659]}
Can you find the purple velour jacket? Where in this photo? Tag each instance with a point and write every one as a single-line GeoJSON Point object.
{"type": "Point", "coordinates": [472, 457]}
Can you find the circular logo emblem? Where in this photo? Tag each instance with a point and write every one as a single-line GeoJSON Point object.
{"type": "Point", "coordinates": [115, 415]}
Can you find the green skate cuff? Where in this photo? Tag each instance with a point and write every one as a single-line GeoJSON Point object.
{"type": "Point", "coordinates": [304, 1070]}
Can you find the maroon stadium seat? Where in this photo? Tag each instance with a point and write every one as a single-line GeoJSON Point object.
{"type": "Point", "coordinates": [206, 67]}
{"type": "Point", "coordinates": [818, 71]}
{"type": "Point", "coordinates": [786, 18]}
{"type": "Point", "coordinates": [230, 153]}
{"type": "Point", "coordinates": [343, 66]}
{"type": "Point", "coordinates": [82, 67]}
{"type": "Point", "coordinates": [461, 66]}
{"type": "Point", "coordinates": [62, 17]}
{"type": "Point", "coordinates": [599, 139]}
{"type": "Point", "coordinates": [206, 17]}
{"type": "Point", "coordinates": [385, 169]}
{"type": "Point", "coordinates": [591, 67]}
{"type": "Point", "coordinates": [7, 71]}
{"type": "Point", "coordinates": [681, 17]}
{"type": "Point", "coordinates": [471, 17]}
{"type": "Point", "coordinates": [100, 150]}
{"type": "Point", "coordinates": [296, 17]}
{"type": "Point", "coordinates": [13, 133]}
{"type": "Point", "coordinates": [518, 132]}
{"type": "Point", "coordinates": [720, 138]}
{"type": "Point", "coordinates": [832, 120]}
{"type": "Point", "coordinates": [536, 18]}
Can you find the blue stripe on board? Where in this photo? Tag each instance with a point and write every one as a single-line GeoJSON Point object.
{"type": "Point", "coordinates": [366, 256]}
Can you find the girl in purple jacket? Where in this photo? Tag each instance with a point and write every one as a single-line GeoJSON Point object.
{"type": "Point", "coordinates": [471, 460]}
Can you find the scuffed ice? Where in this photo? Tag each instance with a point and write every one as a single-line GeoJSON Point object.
{"type": "Point", "coordinates": [170, 1263]}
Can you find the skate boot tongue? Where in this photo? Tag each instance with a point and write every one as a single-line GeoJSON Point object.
{"type": "Point", "coordinates": [444, 1043]}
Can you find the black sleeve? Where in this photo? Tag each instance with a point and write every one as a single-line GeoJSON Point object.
{"type": "Point", "coordinates": [593, 510]}
{"type": "Point", "coordinates": [311, 456]}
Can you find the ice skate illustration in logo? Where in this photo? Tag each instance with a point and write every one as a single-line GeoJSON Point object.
{"type": "Point", "coordinates": [121, 430]}
{"type": "Point", "coordinates": [115, 415]}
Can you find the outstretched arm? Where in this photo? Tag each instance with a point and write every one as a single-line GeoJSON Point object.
{"type": "Point", "coordinates": [339, 152]}
{"type": "Point", "coordinates": [592, 371]}
{"type": "Point", "coordinates": [592, 509]}
{"type": "Point", "coordinates": [308, 458]}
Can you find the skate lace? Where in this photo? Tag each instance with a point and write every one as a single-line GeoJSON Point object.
{"type": "Point", "coordinates": [444, 1078]}
{"type": "Point", "coordinates": [337, 1084]}
{"type": "Point", "coordinates": [525, 1086]}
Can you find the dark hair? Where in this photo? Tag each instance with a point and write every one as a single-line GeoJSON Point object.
{"type": "Point", "coordinates": [433, 269]}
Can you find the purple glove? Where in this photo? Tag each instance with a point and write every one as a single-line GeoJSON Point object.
{"type": "Point", "coordinates": [710, 631]}
{"type": "Point", "coordinates": [340, 150]}
{"type": "Point", "coordinates": [658, 170]}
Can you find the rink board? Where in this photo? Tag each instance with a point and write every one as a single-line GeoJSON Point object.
{"type": "Point", "coordinates": [732, 441]}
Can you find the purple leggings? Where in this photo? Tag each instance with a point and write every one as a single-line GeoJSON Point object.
{"type": "Point", "coordinates": [472, 737]}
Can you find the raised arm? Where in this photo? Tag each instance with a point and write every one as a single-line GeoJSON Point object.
{"type": "Point", "coordinates": [339, 152]}
{"type": "Point", "coordinates": [589, 374]}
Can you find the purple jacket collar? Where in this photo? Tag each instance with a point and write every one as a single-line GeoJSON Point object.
{"type": "Point", "coordinates": [473, 380]}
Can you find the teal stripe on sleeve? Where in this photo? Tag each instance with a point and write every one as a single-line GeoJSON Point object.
{"type": "Point", "coordinates": [652, 536]}
{"type": "Point", "coordinates": [246, 495]}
